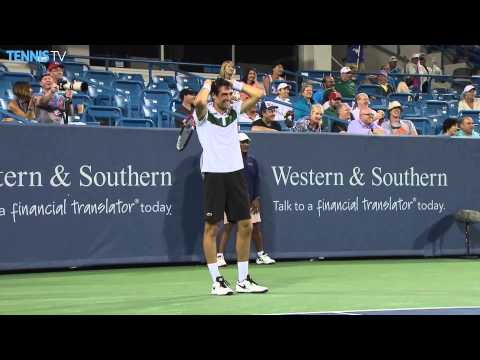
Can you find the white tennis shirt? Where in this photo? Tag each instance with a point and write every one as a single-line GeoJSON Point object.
{"type": "Point", "coordinates": [218, 135]}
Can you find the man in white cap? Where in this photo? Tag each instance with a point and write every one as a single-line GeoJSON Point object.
{"type": "Point", "coordinates": [392, 65]}
{"type": "Point", "coordinates": [252, 176]}
{"type": "Point", "coordinates": [394, 125]}
{"type": "Point", "coordinates": [393, 69]}
{"type": "Point", "coordinates": [284, 97]}
{"type": "Point", "coordinates": [414, 67]}
{"type": "Point", "coordinates": [469, 102]}
{"type": "Point", "coordinates": [346, 86]}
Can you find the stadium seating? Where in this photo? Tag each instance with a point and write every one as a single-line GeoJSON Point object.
{"type": "Point", "coordinates": [74, 70]}
{"type": "Point", "coordinates": [245, 126]}
{"type": "Point", "coordinates": [158, 100]}
{"type": "Point", "coordinates": [474, 114]}
{"type": "Point", "coordinates": [371, 90]}
{"type": "Point", "coordinates": [424, 126]}
{"type": "Point", "coordinates": [12, 77]}
{"type": "Point", "coordinates": [6, 90]}
{"type": "Point", "coordinates": [435, 108]}
{"type": "Point", "coordinates": [193, 83]}
{"type": "Point", "coordinates": [157, 80]}
{"type": "Point", "coordinates": [132, 77]}
{"type": "Point", "coordinates": [101, 79]}
{"type": "Point", "coordinates": [402, 98]}
{"type": "Point", "coordinates": [131, 91]}
{"type": "Point", "coordinates": [3, 104]}
{"type": "Point", "coordinates": [101, 114]}
{"type": "Point", "coordinates": [134, 122]}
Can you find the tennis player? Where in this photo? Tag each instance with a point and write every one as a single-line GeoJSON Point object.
{"type": "Point", "coordinates": [225, 188]}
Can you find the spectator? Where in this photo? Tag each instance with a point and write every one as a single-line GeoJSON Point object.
{"type": "Point", "coordinates": [466, 128]}
{"type": "Point", "coordinates": [346, 86]}
{"type": "Point", "coordinates": [252, 175]}
{"type": "Point", "coordinates": [414, 67]}
{"type": "Point", "coordinates": [24, 103]}
{"type": "Point", "coordinates": [392, 65]}
{"type": "Point", "coordinates": [394, 125]}
{"type": "Point", "coordinates": [277, 74]}
{"type": "Point", "coordinates": [382, 78]}
{"type": "Point", "coordinates": [303, 105]}
{"type": "Point", "coordinates": [250, 78]}
{"type": "Point", "coordinates": [284, 97]}
{"type": "Point", "coordinates": [187, 97]}
{"type": "Point", "coordinates": [393, 69]}
{"type": "Point", "coordinates": [334, 101]}
{"type": "Point", "coordinates": [362, 102]}
{"type": "Point", "coordinates": [227, 72]}
{"type": "Point", "coordinates": [365, 125]}
{"type": "Point", "coordinates": [343, 113]}
{"type": "Point", "coordinates": [329, 86]}
{"type": "Point", "coordinates": [402, 88]}
{"type": "Point", "coordinates": [469, 102]}
{"type": "Point", "coordinates": [267, 122]}
{"type": "Point", "coordinates": [311, 123]}
{"type": "Point", "coordinates": [56, 70]}
{"type": "Point", "coordinates": [248, 117]}
{"type": "Point", "coordinates": [449, 127]}
{"type": "Point", "coordinates": [51, 106]}
{"type": "Point", "coordinates": [426, 82]}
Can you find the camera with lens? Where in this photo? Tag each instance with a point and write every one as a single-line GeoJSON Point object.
{"type": "Point", "coordinates": [75, 85]}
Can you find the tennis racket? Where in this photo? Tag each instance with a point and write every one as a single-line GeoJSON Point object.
{"type": "Point", "coordinates": [185, 133]}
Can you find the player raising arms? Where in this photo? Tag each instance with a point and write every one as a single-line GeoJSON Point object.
{"type": "Point", "coordinates": [225, 188]}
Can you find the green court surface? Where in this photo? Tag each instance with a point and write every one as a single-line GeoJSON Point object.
{"type": "Point", "coordinates": [295, 287]}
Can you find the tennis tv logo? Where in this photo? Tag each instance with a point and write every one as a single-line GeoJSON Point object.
{"type": "Point", "coordinates": [35, 55]}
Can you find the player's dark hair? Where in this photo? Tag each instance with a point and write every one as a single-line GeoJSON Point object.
{"type": "Point", "coordinates": [217, 84]}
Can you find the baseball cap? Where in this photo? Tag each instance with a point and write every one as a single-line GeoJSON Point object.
{"type": "Point", "coordinates": [267, 105]}
{"type": "Point", "coordinates": [243, 137]}
{"type": "Point", "coordinates": [186, 91]}
{"type": "Point", "coordinates": [334, 95]}
{"type": "Point", "coordinates": [394, 104]}
{"type": "Point", "coordinates": [382, 72]}
{"type": "Point", "coordinates": [415, 56]}
{"type": "Point", "coordinates": [345, 70]}
{"type": "Point", "coordinates": [54, 65]}
{"type": "Point", "coordinates": [393, 58]}
{"type": "Point", "coordinates": [282, 86]}
{"type": "Point", "coordinates": [468, 88]}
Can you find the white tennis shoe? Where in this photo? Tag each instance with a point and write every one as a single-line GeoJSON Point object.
{"type": "Point", "coordinates": [250, 286]}
{"type": "Point", "coordinates": [221, 287]}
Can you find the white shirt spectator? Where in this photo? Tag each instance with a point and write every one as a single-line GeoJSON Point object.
{"type": "Point", "coordinates": [462, 105]}
{"type": "Point", "coordinates": [282, 109]}
{"type": "Point", "coordinates": [356, 113]}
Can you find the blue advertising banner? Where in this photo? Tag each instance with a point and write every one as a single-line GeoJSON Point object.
{"type": "Point", "coordinates": [82, 196]}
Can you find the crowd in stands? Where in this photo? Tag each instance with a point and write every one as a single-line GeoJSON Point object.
{"type": "Point", "coordinates": [335, 105]}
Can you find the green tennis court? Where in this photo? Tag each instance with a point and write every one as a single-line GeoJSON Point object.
{"type": "Point", "coordinates": [295, 287]}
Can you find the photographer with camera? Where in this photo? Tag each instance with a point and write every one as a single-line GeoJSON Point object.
{"type": "Point", "coordinates": [56, 70]}
{"type": "Point", "coordinates": [52, 107]}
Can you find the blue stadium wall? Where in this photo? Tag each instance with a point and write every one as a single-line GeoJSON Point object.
{"type": "Point", "coordinates": [322, 195]}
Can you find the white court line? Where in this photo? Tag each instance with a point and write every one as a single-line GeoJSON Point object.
{"type": "Point", "coordinates": [371, 310]}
